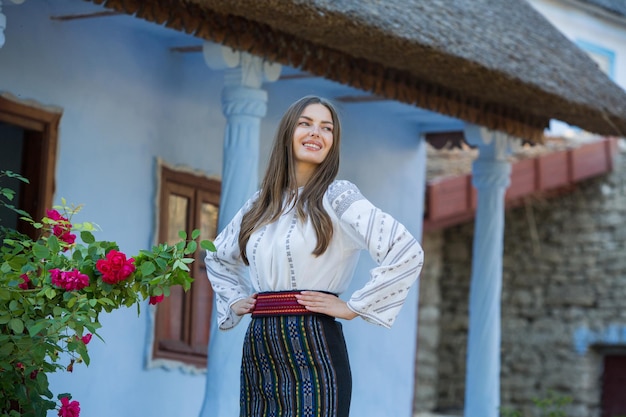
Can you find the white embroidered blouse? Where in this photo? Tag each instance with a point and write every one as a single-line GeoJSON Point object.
{"type": "Point", "coordinates": [280, 257]}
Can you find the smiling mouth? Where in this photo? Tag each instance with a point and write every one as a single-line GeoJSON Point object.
{"type": "Point", "coordinates": [312, 146]}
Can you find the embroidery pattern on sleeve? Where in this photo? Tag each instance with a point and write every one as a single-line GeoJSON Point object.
{"type": "Point", "coordinates": [342, 194]}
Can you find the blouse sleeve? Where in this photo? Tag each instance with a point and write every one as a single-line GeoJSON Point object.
{"type": "Point", "coordinates": [227, 273]}
{"type": "Point", "coordinates": [398, 254]}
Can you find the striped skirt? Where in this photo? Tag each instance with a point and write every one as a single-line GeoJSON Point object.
{"type": "Point", "coordinates": [295, 366]}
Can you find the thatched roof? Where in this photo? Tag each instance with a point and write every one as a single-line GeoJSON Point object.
{"type": "Point", "coordinates": [495, 63]}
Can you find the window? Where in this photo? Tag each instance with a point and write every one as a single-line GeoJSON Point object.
{"type": "Point", "coordinates": [182, 324]}
{"type": "Point", "coordinates": [28, 139]}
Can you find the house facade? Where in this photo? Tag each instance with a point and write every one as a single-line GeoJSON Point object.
{"type": "Point", "coordinates": [564, 275]}
{"type": "Point", "coordinates": [139, 120]}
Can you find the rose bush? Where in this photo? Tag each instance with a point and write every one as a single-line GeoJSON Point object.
{"type": "Point", "coordinates": [53, 290]}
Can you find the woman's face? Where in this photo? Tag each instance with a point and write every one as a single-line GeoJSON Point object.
{"type": "Point", "coordinates": [312, 139]}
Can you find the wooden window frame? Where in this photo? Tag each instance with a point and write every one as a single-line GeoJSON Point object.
{"type": "Point", "coordinates": [41, 129]}
{"type": "Point", "coordinates": [185, 338]}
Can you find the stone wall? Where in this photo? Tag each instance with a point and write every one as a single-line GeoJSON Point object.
{"type": "Point", "coordinates": [454, 288]}
{"type": "Point", "coordinates": [564, 293]}
{"type": "Point", "coordinates": [427, 357]}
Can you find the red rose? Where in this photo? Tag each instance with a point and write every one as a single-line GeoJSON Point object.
{"type": "Point", "coordinates": [156, 299]}
{"type": "Point", "coordinates": [56, 277]}
{"type": "Point", "coordinates": [62, 227]}
{"type": "Point", "coordinates": [67, 237]}
{"type": "Point", "coordinates": [69, 408]}
{"type": "Point", "coordinates": [54, 215]}
{"type": "Point", "coordinates": [73, 280]}
{"type": "Point", "coordinates": [115, 267]}
{"type": "Point", "coordinates": [26, 281]}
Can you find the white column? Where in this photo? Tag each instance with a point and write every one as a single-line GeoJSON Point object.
{"type": "Point", "coordinates": [491, 177]}
{"type": "Point", "coordinates": [244, 104]}
{"type": "Point", "coordinates": [243, 107]}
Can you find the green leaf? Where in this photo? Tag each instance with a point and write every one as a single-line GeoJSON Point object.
{"type": "Point", "coordinates": [208, 245]}
{"type": "Point", "coordinates": [92, 327]}
{"type": "Point", "coordinates": [5, 268]}
{"type": "Point", "coordinates": [5, 318]}
{"type": "Point", "coordinates": [53, 243]}
{"type": "Point", "coordinates": [5, 294]}
{"type": "Point", "coordinates": [162, 263]}
{"type": "Point", "coordinates": [8, 193]}
{"type": "Point", "coordinates": [106, 301]}
{"type": "Point", "coordinates": [77, 256]}
{"type": "Point", "coordinates": [82, 351]}
{"type": "Point", "coordinates": [167, 254]}
{"type": "Point", "coordinates": [178, 264]}
{"type": "Point", "coordinates": [191, 247]}
{"type": "Point", "coordinates": [36, 328]}
{"type": "Point", "coordinates": [16, 263]}
{"type": "Point", "coordinates": [6, 349]}
{"type": "Point", "coordinates": [17, 325]}
{"type": "Point", "coordinates": [40, 251]}
{"type": "Point", "coordinates": [195, 234]}
{"type": "Point", "coordinates": [11, 174]}
{"type": "Point", "coordinates": [50, 293]}
{"type": "Point", "coordinates": [182, 234]}
{"type": "Point", "coordinates": [147, 269]}
{"type": "Point", "coordinates": [87, 237]}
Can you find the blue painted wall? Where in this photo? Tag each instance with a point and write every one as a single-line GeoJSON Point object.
{"type": "Point", "coordinates": [121, 110]}
{"type": "Point", "coordinates": [127, 100]}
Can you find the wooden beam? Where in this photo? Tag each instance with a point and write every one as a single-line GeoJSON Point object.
{"type": "Point", "coordinates": [360, 99]}
{"type": "Point", "coordinates": [186, 49]}
{"type": "Point", "coordinates": [68, 17]}
{"type": "Point", "coordinates": [298, 76]}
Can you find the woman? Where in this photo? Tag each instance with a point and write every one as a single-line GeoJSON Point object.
{"type": "Point", "coordinates": [287, 255]}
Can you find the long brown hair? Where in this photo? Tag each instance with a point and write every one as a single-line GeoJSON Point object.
{"type": "Point", "coordinates": [280, 180]}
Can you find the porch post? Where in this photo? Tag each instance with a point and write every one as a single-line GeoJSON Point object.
{"type": "Point", "coordinates": [491, 177]}
{"type": "Point", "coordinates": [243, 107]}
{"type": "Point", "coordinates": [244, 103]}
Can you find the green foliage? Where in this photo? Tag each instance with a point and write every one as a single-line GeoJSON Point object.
{"type": "Point", "coordinates": [552, 405]}
{"type": "Point", "coordinates": [42, 326]}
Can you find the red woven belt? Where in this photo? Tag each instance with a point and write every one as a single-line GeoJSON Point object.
{"type": "Point", "coordinates": [282, 303]}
